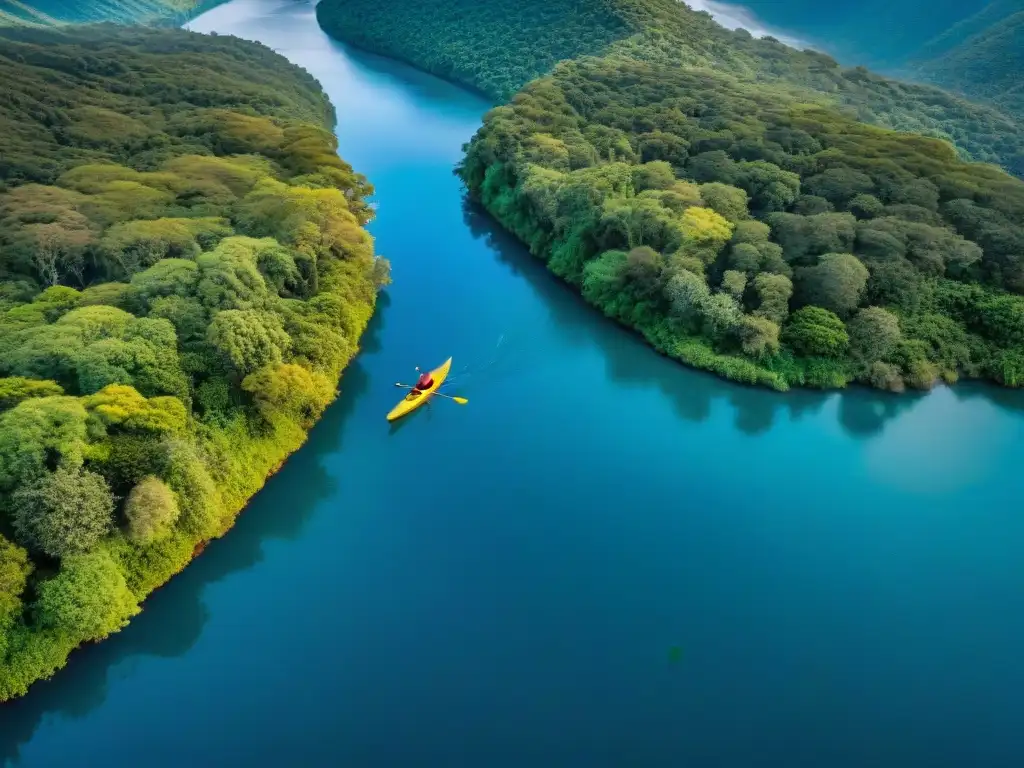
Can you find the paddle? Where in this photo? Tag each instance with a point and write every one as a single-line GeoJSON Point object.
{"type": "Point", "coordinates": [459, 400]}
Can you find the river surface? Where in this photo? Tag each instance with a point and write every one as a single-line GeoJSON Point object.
{"type": "Point", "coordinates": [604, 559]}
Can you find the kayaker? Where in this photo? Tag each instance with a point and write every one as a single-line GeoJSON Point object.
{"type": "Point", "coordinates": [424, 382]}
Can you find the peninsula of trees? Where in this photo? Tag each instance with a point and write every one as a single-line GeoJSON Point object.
{"type": "Point", "coordinates": [497, 46]}
{"type": "Point", "coordinates": [184, 274]}
{"type": "Point", "coordinates": [718, 193]}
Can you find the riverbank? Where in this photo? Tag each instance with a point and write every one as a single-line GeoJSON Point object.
{"type": "Point", "coordinates": [794, 247]}
{"type": "Point", "coordinates": [174, 327]}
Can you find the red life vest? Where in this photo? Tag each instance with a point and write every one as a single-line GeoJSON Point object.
{"type": "Point", "coordinates": [425, 381]}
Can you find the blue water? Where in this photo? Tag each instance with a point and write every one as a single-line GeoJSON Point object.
{"type": "Point", "coordinates": [604, 559]}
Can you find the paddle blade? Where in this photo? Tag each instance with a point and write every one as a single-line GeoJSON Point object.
{"type": "Point", "coordinates": [460, 400]}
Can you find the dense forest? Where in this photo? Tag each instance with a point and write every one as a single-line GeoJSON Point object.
{"type": "Point", "coordinates": [497, 46]}
{"type": "Point", "coordinates": [879, 33]}
{"type": "Point", "coordinates": [57, 12]}
{"type": "Point", "coordinates": [747, 233]}
{"type": "Point", "coordinates": [982, 56]}
{"type": "Point", "coordinates": [184, 274]}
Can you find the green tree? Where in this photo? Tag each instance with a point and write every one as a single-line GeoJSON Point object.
{"type": "Point", "coordinates": [14, 389]}
{"type": "Point", "coordinates": [88, 599]}
{"type": "Point", "coordinates": [759, 336]}
{"type": "Point", "coordinates": [734, 283]}
{"type": "Point", "coordinates": [773, 292]}
{"type": "Point", "coordinates": [815, 331]}
{"type": "Point", "coordinates": [836, 282]}
{"type": "Point", "coordinates": [728, 201]}
{"type": "Point", "coordinates": [657, 174]}
{"type": "Point", "coordinates": [40, 433]}
{"type": "Point", "coordinates": [150, 510]}
{"type": "Point", "coordinates": [248, 339]}
{"type": "Point", "coordinates": [874, 333]}
{"type": "Point", "coordinates": [15, 568]}
{"type": "Point", "coordinates": [63, 513]}
{"type": "Point", "coordinates": [865, 206]}
{"type": "Point", "coordinates": [291, 390]}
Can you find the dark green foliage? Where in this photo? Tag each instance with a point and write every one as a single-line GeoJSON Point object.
{"type": "Point", "coordinates": [184, 274]}
{"type": "Point", "coordinates": [54, 12]}
{"type": "Point", "coordinates": [816, 332]}
{"type": "Point", "coordinates": [898, 229]}
{"type": "Point", "coordinates": [497, 46]}
{"type": "Point", "coordinates": [982, 56]}
{"type": "Point", "coordinates": [62, 513]}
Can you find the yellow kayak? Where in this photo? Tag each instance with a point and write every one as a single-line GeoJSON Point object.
{"type": "Point", "coordinates": [414, 400]}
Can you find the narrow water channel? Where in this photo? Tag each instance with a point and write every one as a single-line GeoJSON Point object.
{"type": "Point", "coordinates": [604, 559]}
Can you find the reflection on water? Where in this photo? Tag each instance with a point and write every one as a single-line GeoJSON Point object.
{"type": "Point", "coordinates": [277, 512]}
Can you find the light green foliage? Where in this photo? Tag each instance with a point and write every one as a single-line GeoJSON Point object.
{"type": "Point", "coordinates": [118, 405]}
{"type": "Point", "coordinates": [656, 174]}
{"type": "Point", "coordinates": [93, 346]}
{"type": "Point", "coordinates": [874, 334]}
{"type": "Point", "coordinates": [135, 245]}
{"type": "Point", "coordinates": [88, 599]}
{"type": "Point", "coordinates": [169, 329]}
{"type": "Point", "coordinates": [248, 339]}
{"type": "Point", "coordinates": [15, 569]}
{"type": "Point", "coordinates": [759, 336]}
{"type": "Point", "coordinates": [290, 389]}
{"type": "Point", "coordinates": [62, 513]}
{"type": "Point", "coordinates": [150, 510]}
{"type": "Point", "coordinates": [39, 432]}
{"type": "Point", "coordinates": [773, 293]}
{"type": "Point", "coordinates": [734, 283]}
{"type": "Point", "coordinates": [14, 389]}
{"type": "Point", "coordinates": [730, 202]}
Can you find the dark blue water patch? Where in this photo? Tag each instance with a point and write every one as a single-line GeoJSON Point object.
{"type": "Point", "coordinates": [604, 559]}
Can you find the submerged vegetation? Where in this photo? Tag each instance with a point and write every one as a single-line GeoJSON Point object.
{"type": "Point", "coordinates": [497, 46]}
{"type": "Point", "coordinates": [184, 274]}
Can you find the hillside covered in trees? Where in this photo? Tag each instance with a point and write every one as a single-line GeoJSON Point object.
{"type": "Point", "coordinates": [497, 46]}
{"type": "Point", "coordinates": [747, 233]}
{"type": "Point", "coordinates": [49, 13]}
{"type": "Point", "coordinates": [184, 274]}
{"type": "Point", "coordinates": [982, 56]}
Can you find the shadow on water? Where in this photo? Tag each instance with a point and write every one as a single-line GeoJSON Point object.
{"type": "Point", "coordinates": [276, 512]}
{"type": "Point", "coordinates": [862, 412]}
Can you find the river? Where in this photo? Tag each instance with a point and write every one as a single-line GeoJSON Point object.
{"type": "Point", "coordinates": [604, 559]}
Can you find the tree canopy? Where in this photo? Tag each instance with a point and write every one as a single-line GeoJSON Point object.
{"type": "Point", "coordinates": [768, 227]}
{"type": "Point", "coordinates": [184, 274]}
{"type": "Point", "coordinates": [497, 46]}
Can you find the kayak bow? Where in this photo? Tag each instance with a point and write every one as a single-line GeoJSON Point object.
{"type": "Point", "coordinates": [414, 400]}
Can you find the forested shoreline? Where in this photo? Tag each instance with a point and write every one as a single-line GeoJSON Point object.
{"type": "Point", "coordinates": [684, 182]}
{"type": "Point", "coordinates": [55, 13]}
{"type": "Point", "coordinates": [184, 274]}
{"type": "Point", "coordinates": [498, 46]}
